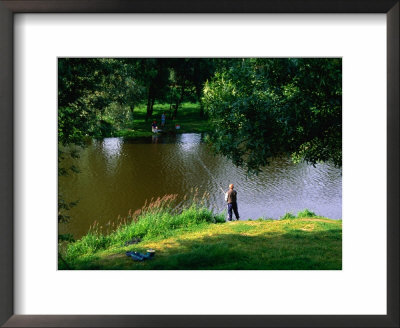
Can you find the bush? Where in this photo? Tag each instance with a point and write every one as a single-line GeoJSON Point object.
{"type": "Point", "coordinates": [287, 216]}
{"type": "Point", "coordinates": [306, 214]}
{"type": "Point", "coordinates": [220, 218]}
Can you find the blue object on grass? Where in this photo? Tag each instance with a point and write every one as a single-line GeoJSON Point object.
{"type": "Point", "coordinates": [145, 256]}
{"type": "Point", "coordinates": [139, 256]}
{"type": "Point", "coordinates": [134, 256]}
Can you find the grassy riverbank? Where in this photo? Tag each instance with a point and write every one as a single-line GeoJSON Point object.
{"type": "Point", "coordinates": [188, 118]}
{"type": "Point", "coordinates": [195, 238]}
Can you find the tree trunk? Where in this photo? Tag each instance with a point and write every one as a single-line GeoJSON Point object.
{"type": "Point", "coordinates": [131, 108]}
{"type": "Point", "coordinates": [198, 94]}
{"type": "Point", "coordinates": [176, 108]}
{"type": "Point", "coordinates": [148, 113]}
{"type": "Point", "coordinates": [179, 101]}
{"type": "Point", "coordinates": [150, 103]}
{"type": "Point", "coordinates": [201, 109]}
{"type": "Point", "coordinates": [171, 106]}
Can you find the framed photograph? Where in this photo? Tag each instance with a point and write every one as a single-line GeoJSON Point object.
{"type": "Point", "coordinates": [184, 117]}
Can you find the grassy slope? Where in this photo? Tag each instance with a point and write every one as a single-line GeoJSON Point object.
{"type": "Point", "coordinates": [290, 244]}
{"type": "Point", "coordinates": [188, 118]}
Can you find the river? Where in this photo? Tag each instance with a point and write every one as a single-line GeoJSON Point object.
{"type": "Point", "coordinates": [118, 175]}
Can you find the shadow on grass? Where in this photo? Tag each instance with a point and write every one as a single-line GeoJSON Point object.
{"type": "Point", "coordinates": [294, 250]}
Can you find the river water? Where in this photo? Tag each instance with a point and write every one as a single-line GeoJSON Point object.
{"type": "Point", "coordinates": [119, 175]}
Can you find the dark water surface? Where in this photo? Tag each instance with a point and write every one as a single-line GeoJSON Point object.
{"type": "Point", "coordinates": [118, 175]}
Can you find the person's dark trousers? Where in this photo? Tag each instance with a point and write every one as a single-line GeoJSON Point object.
{"type": "Point", "coordinates": [232, 206]}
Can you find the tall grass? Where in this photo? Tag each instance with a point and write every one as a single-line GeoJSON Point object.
{"type": "Point", "coordinates": [302, 214]}
{"type": "Point", "coordinates": [159, 218]}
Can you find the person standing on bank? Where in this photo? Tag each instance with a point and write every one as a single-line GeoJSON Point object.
{"type": "Point", "coordinates": [231, 198]}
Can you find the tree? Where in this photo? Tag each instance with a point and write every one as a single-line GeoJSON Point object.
{"type": "Point", "coordinates": [263, 108]}
{"type": "Point", "coordinates": [202, 70]}
{"type": "Point", "coordinates": [155, 74]}
{"type": "Point", "coordinates": [181, 71]}
{"type": "Point", "coordinates": [86, 86]}
{"type": "Point", "coordinates": [126, 93]}
{"type": "Point", "coordinates": [76, 82]}
{"type": "Point", "coordinates": [188, 78]}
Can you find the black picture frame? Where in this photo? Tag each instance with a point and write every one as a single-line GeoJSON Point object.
{"type": "Point", "coordinates": [10, 7]}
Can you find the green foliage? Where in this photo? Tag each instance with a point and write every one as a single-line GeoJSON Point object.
{"type": "Point", "coordinates": [71, 126]}
{"type": "Point", "coordinates": [287, 216]}
{"type": "Point", "coordinates": [117, 116]}
{"type": "Point", "coordinates": [63, 205]}
{"type": "Point", "coordinates": [188, 78]}
{"type": "Point", "coordinates": [66, 237]}
{"type": "Point", "coordinates": [104, 129]}
{"type": "Point", "coordinates": [86, 87]}
{"type": "Point", "coordinates": [63, 208]}
{"type": "Point", "coordinates": [302, 214]}
{"type": "Point", "coordinates": [262, 108]}
{"type": "Point", "coordinates": [306, 214]}
{"type": "Point", "coordinates": [94, 92]}
{"type": "Point", "coordinates": [220, 218]}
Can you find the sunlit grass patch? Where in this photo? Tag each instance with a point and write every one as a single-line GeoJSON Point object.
{"type": "Point", "coordinates": [188, 118]}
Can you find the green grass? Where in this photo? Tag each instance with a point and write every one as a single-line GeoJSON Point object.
{"type": "Point", "coordinates": [188, 118]}
{"type": "Point", "coordinates": [196, 238]}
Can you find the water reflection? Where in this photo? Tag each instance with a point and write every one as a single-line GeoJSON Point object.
{"type": "Point", "coordinates": [111, 149]}
{"type": "Point", "coordinates": [154, 138]}
{"type": "Point", "coordinates": [189, 142]}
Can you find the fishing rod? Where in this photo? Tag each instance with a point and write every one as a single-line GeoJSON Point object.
{"type": "Point", "coordinates": [212, 176]}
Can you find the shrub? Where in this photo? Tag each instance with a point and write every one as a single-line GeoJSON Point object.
{"type": "Point", "coordinates": [287, 216]}
{"type": "Point", "coordinates": [306, 214]}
